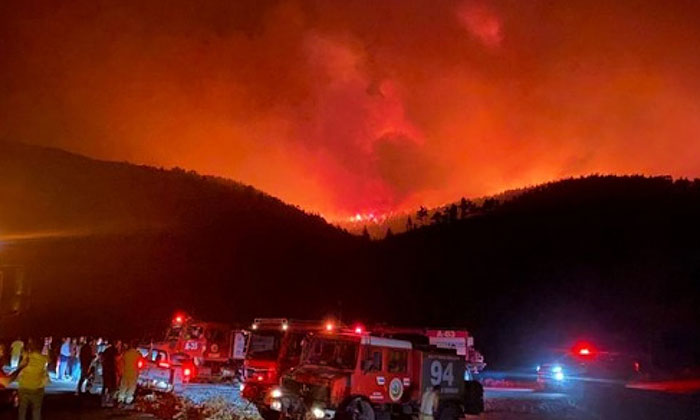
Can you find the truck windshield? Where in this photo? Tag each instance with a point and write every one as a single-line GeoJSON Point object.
{"type": "Point", "coordinates": [264, 345]}
{"type": "Point", "coordinates": [336, 353]}
{"type": "Point", "coordinates": [190, 332]}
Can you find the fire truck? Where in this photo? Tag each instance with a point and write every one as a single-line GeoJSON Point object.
{"type": "Point", "coordinates": [216, 349]}
{"type": "Point", "coordinates": [463, 344]}
{"type": "Point", "coordinates": [274, 347]}
{"type": "Point", "coordinates": [355, 375]}
{"type": "Point", "coordinates": [458, 340]}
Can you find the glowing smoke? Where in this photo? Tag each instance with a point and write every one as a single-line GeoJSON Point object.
{"type": "Point", "coordinates": [360, 107]}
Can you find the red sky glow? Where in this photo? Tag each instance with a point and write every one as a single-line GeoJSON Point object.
{"type": "Point", "coordinates": [359, 107]}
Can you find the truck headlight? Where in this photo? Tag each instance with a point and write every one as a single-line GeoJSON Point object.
{"type": "Point", "coordinates": [276, 393]}
{"type": "Point", "coordinates": [318, 413]}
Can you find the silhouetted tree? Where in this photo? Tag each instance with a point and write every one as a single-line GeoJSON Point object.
{"type": "Point", "coordinates": [422, 214]}
{"type": "Point", "coordinates": [389, 233]}
{"type": "Point", "coordinates": [409, 223]}
{"type": "Point", "coordinates": [489, 204]}
{"type": "Point", "coordinates": [451, 213]}
{"type": "Point", "coordinates": [365, 234]}
{"type": "Point", "coordinates": [465, 206]}
{"type": "Point", "coordinates": [436, 217]}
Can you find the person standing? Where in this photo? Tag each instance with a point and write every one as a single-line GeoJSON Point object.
{"type": "Point", "coordinates": [86, 357]}
{"type": "Point", "coordinates": [75, 357]}
{"type": "Point", "coordinates": [109, 374]}
{"type": "Point", "coordinates": [64, 359]}
{"type": "Point", "coordinates": [130, 374]}
{"type": "Point", "coordinates": [429, 403]}
{"type": "Point", "coordinates": [16, 349]}
{"type": "Point", "coordinates": [46, 350]}
{"type": "Point", "coordinates": [33, 377]}
{"type": "Point", "coordinates": [119, 347]}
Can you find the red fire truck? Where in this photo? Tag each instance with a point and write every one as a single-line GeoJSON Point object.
{"type": "Point", "coordinates": [216, 348]}
{"type": "Point", "coordinates": [355, 375]}
{"type": "Point", "coordinates": [274, 346]}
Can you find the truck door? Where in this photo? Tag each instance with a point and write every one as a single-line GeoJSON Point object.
{"type": "Point", "coordinates": [372, 379]}
{"type": "Point", "coordinates": [398, 374]}
{"type": "Point", "coordinates": [238, 348]}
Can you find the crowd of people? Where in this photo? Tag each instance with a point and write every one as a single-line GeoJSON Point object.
{"type": "Point", "coordinates": [36, 362]}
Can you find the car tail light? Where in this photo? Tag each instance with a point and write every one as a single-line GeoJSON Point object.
{"type": "Point", "coordinates": [139, 364]}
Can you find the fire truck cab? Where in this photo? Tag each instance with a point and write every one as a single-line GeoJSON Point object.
{"type": "Point", "coordinates": [274, 346]}
{"type": "Point", "coordinates": [209, 344]}
{"type": "Point", "coordinates": [354, 375]}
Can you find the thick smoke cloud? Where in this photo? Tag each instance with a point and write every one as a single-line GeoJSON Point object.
{"type": "Point", "coordinates": [360, 106]}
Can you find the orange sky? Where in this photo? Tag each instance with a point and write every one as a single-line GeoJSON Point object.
{"type": "Point", "coordinates": [360, 106]}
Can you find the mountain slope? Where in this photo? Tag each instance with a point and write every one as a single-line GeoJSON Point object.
{"type": "Point", "coordinates": [47, 189]}
{"type": "Point", "coordinates": [615, 256]}
{"type": "Point", "coordinates": [117, 248]}
{"type": "Point", "coordinates": [118, 240]}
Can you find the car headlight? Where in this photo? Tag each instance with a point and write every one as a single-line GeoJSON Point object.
{"type": "Point", "coordinates": [276, 393]}
{"type": "Point", "coordinates": [318, 413]}
{"type": "Point", "coordinates": [559, 376]}
{"type": "Point", "coordinates": [556, 369]}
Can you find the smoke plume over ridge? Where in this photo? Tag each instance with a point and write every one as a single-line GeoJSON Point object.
{"type": "Point", "coordinates": [348, 107]}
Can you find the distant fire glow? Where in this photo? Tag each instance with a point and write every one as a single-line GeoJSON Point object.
{"type": "Point", "coordinates": [341, 108]}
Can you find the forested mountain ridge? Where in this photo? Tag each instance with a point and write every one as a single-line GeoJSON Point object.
{"type": "Point", "coordinates": [46, 189]}
{"type": "Point", "coordinates": [602, 256]}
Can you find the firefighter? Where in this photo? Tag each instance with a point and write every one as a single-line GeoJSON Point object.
{"type": "Point", "coordinates": [33, 377]}
{"type": "Point", "coordinates": [429, 403]}
{"type": "Point", "coordinates": [130, 374]}
{"type": "Point", "coordinates": [86, 357]}
{"type": "Point", "coordinates": [109, 374]}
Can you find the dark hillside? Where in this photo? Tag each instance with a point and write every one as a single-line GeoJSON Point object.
{"type": "Point", "coordinates": [613, 257]}
{"type": "Point", "coordinates": [116, 244]}
{"type": "Point", "coordinates": [115, 248]}
{"type": "Point", "coordinates": [48, 189]}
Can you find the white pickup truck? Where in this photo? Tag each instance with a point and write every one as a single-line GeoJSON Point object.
{"type": "Point", "coordinates": [164, 371]}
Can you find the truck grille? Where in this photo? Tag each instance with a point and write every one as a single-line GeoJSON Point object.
{"type": "Point", "coordinates": [309, 393]}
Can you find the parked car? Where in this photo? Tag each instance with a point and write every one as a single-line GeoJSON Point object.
{"type": "Point", "coordinates": [164, 371]}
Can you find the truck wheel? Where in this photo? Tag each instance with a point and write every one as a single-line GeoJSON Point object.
{"type": "Point", "coordinates": [268, 414]}
{"type": "Point", "coordinates": [356, 409]}
{"type": "Point", "coordinates": [449, 411]}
